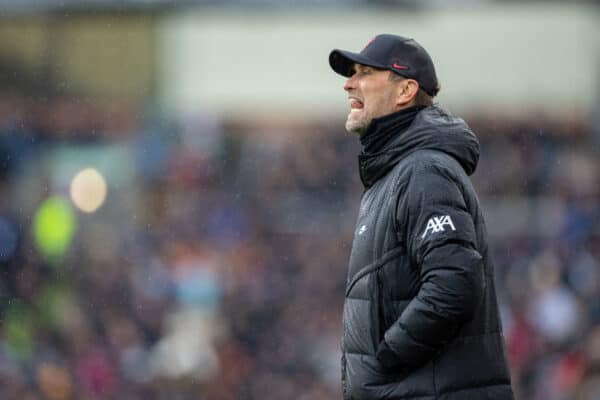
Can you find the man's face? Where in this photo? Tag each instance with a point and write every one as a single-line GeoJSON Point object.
{"type": "Point", "coordinates": [371, 95]}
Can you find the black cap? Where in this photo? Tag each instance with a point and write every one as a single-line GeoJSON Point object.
{"type": "Point", "coordinates": [398, 54]}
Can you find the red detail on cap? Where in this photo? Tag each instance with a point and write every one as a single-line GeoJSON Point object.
{"type": "Point", "coordinates": [398, 66]}
{"type": "Point", "coordinates": [369, 43]}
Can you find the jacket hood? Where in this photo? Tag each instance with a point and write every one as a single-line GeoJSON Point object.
{"type": "Point", "coordinates": [432, 129]}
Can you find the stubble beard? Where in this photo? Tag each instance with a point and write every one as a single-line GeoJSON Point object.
{"type": "Point", "coordinates": [357, 126]}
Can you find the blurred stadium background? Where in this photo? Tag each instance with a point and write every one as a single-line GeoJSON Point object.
{"type": "Point", "coordinates": [177, 192]}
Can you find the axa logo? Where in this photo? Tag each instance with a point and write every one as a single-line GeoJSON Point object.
{"type": "Point", "coordinates": [437, 224]}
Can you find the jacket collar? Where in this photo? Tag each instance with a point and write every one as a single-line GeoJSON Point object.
{"type": "Point", "coordinates": [381, 130]}
{"type": "Point", "coordinates": [432, 128]}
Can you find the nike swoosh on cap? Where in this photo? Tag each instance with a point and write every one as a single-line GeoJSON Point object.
{"type": "Point", "coordinates": [398, 66]}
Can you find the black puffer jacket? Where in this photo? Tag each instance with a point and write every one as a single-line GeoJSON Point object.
{"type": "Point", "coordinates": [421, 318]}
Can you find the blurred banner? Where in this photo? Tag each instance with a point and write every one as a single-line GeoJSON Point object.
{"type": "Point", "coordinates": [516, 58]}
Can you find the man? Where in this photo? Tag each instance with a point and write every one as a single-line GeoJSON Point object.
{"type": "Point", "coordinates": [421, 318]}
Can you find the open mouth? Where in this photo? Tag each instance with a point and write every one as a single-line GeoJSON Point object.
{"type": "Point", "coordinates": [355, 104]}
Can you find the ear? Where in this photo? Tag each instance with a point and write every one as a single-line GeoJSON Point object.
{"type": "Point", "coordinates": [407, 91]}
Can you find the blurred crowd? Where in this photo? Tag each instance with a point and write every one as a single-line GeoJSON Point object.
{"type": "Point", "coordinates": [216, 270]}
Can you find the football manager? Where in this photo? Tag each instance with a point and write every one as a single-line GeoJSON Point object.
{"type": "Point", "coordinates": [421, 317]}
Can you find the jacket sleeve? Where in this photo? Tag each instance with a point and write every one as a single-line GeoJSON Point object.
{"type": "Point", "coordinates": [441, 242]}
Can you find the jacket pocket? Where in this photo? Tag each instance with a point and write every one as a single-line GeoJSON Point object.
{"type": "Point", "coordinates": [396, 288]}
{"type": "Point", "coordinates": [384, 307]}
{"type": "Point", "coordinates": [374, 266]}
{"type": "Point", "coordinates": [362, 312]}
{"type": "Point", "coordinates": [376, 311]}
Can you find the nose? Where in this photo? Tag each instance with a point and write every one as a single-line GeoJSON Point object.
{"type": "Point", "coordinates": [350, 83]}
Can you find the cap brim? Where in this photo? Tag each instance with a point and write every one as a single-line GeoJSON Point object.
{"type": "Point", "coordinates": [342, 61]}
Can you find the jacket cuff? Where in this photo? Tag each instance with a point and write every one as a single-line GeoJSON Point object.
{"type": "Point", "coordinates": [387, 357]}
{"type": "Point", "coordinates": [412, 352]}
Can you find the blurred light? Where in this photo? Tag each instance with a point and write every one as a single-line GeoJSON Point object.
{"type": "Point", "coordinates": [88, 190]}
{"type": "Point", "coordinates": [18, 325]}
{"type": "Point", "coordinates": [53, 227]}
{"type": "Point", "coordinates": [54, 381]}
